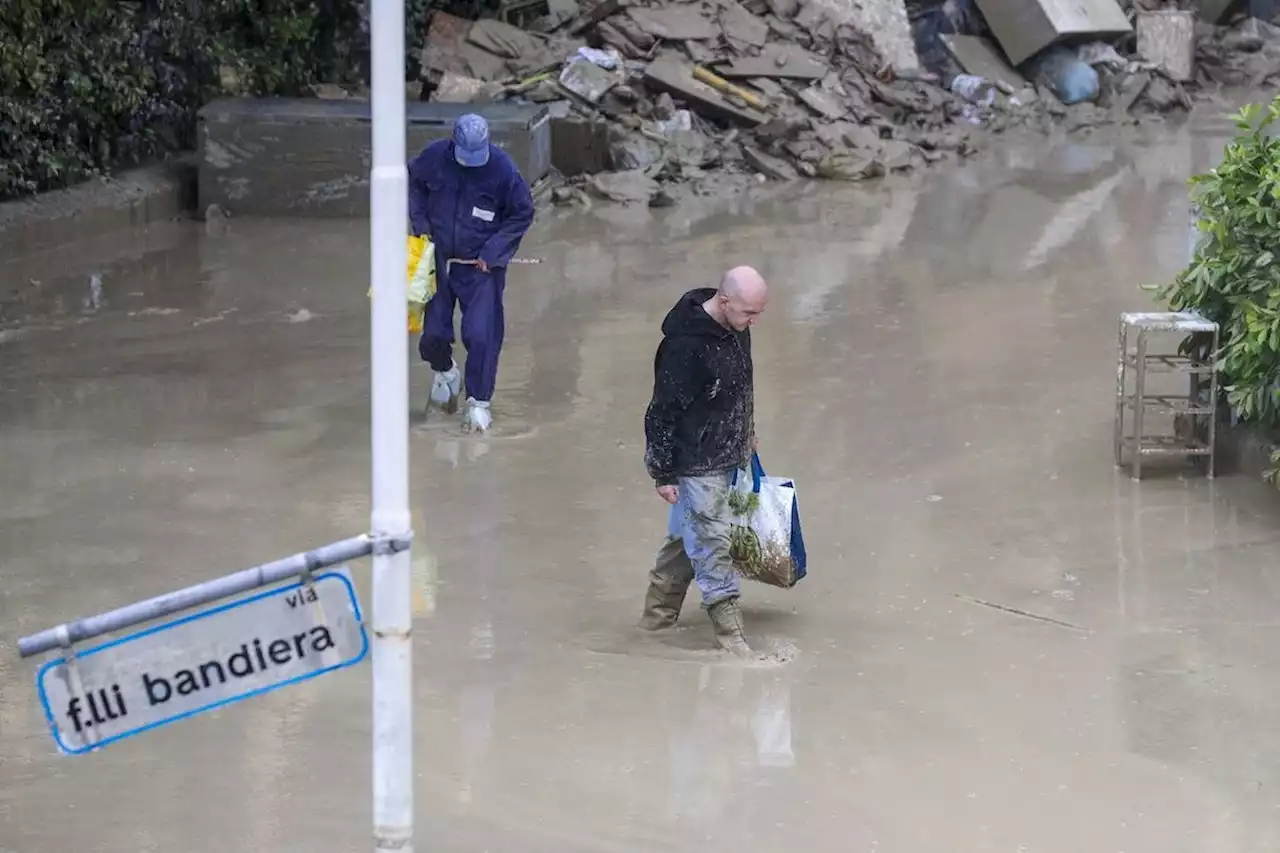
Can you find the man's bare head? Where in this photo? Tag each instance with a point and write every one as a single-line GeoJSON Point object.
{"type": "Point", "coordinates": [741, 298]}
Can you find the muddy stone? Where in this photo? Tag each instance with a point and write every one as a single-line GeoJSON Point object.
{"type": "Point", "coordinates": [630, 150]}
{"type": "Point", "coordinates": [626, 187]}
{"type": "Point", "coordinates": [849, 166]}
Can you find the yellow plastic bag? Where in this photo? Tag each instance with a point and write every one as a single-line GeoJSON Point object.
{"type": "Point", "coordinates": [421, 280]}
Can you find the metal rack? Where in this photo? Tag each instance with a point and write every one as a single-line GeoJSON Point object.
{"type": "Point", "coordinates": [1195, 414]}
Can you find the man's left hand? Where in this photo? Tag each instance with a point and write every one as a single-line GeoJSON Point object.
{"type": "Point", "coordinates": [481, 265]}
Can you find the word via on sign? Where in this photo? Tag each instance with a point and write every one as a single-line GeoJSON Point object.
{"type": "Point", "coordinates": [203, 661]}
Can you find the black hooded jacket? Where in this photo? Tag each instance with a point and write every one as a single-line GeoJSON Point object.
{"type": "Point", "coordinates": [700, 420]}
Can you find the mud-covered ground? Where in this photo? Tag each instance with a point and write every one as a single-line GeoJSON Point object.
{"type": "Point", "coordinates": [936, 371]}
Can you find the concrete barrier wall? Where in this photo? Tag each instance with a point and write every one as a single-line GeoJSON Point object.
{"type": "Point", "coordinates": [95, 208]}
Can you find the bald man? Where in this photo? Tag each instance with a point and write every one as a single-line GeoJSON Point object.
{"type": "Point", "coordinates": [699, 428]}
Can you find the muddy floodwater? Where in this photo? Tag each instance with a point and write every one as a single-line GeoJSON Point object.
{"type": "Point", "coordinates": [1003, 644]}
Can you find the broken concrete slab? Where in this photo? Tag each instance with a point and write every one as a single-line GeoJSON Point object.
{"type": "Point", "coordinates": [1131, 89]}
{"type": "Point", "coordinates": [445, 33]}
{"type": "Point", "coordinates": [449, 49]}
{"type": "Point", "coordinates": [783, 127]}
{"type": "Point", "coordinates": [771, 89]}
{"type": "Point", "coordinates": [523, 52]}
{"type": "Point", "coordinates": [501, 39]}
{"type": "Point", "coordinates": [863, 137]}
{"type": "Point", "coordinates": [596, 14]}
{"type": "Point", "coordinates": [699, 53]}
{"type": "Point", "coordinates": [810, 16]}
{"type": "Point", "coordinates": [1026, 27]}
{"type": "Point", "coordinates": [1164, 95]}
{"type": "Point", "coordinates": [629, 150]}
{"type": "Point", "coordinates": [982, 58]}
{"type": "Point", "coordinates": [784, 30]}
{"type": "Point", "coordinates": [669, 74]}
{"type": "Point", "coordinates": [674, 23]}
{"type": "Point", "coordinates": [742, 30]}
{"type": "Point", "coordinates": [784, 9]}
{"type": "Point", "coordinates": [806, 149]}
{"type": "Point", "coordinates": [631, 187]}
{"type": "Point", "coordinates": [822, 102]}
{"type": "Point", "coordinates": [774, 168]}
{"type": "Point", "coordinates": [632, 32]}
{"type": "Point", "coordinates": [783, 62]}
{"type": "Point", "coordinates": [689, 149]}
{"type": "Point", "coordinates": [896, 155]}
{"type": "Point", "coordinates": [588, 80]}
{"type": "Point", "coordinates": [611, 35]}
{"type": "Point", "coordinates": [833, 135]}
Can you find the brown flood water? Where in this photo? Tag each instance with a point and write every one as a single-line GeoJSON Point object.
{"type": "Point", "coordinates": [936, 372]}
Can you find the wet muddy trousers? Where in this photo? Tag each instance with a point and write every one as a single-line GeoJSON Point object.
{"type": "Point", "coordinates": [480, 297]}
{"type": "Point", "coordinates": [697, 549]}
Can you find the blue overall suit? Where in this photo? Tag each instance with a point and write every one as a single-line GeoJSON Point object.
{"type": "Point", "coordinates": [470, 212]}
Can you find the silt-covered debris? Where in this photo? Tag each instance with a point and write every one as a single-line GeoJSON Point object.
{"type": "Point", "coordinates": [686, 93]}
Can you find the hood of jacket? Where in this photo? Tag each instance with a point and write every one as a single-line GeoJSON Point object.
{"type": "Point", "coordinates": [689, 319]}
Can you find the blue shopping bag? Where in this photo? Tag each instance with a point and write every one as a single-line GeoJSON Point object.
{"type": "Point", "coordinates": [776, 555]}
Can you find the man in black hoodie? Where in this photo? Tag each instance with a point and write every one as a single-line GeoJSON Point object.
{"type": "Point", "coordinates": [699, 428]}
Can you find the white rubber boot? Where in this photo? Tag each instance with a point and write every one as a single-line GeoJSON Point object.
{"type": "Point", "coordinates": [478, 418]}
{"type": "Point", "coordinates": [446, 389]}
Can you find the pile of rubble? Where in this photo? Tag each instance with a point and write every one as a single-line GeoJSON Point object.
{"type": "Point", "coordinates": [1246, 55]}
{"type": "Point", "coordinates": [784, 88]}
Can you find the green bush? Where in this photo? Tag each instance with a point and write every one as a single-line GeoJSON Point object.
{"type": "Point", "coordinates": [1234, 277]}
{"type": "Point", "coordinates": [88, 85]}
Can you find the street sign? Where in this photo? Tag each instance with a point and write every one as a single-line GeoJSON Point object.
{"type": "Point", "coordinates": [203, 661]}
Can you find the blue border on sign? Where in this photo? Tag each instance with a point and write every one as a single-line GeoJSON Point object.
{"type": "Point", "coordinates": [48, 711]}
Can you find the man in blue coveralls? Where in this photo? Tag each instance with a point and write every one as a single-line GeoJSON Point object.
{"type": "Point", "coordinates": [468, 195]}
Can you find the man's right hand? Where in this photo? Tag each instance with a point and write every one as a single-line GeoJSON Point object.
{"type": "Point", "coordinates": [670, 494]}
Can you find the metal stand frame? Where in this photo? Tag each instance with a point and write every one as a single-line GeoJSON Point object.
{"type": "Point", "coordinates": [1200, 403]}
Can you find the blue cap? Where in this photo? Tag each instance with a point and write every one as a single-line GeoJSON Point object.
{"type": "Point", "coordinates": [471, 140]}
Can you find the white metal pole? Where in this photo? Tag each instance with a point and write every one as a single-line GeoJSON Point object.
{"type": "Point", "coordinates": [392, 582]}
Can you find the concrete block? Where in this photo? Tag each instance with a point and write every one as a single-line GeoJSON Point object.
{"type": "Point", "coordinates": [1026, 27]}
{"type": "Point", "coordinates": [301, 157]}
{"type": "Point", "coordinates": [1168, 38]}
{"type": "Point", "coordinates": [579, 145]}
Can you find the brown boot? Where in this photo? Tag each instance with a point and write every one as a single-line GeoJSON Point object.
{"type": "Point", "coordinates": [672, 573]}
{"type": "Point", "coordinates": [726, 618]}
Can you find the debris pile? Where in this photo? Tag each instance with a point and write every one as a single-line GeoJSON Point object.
{"type": "Point", "coordinates": [1245, 55]}
{"type": "Point", "coordinates": [780, 89]}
